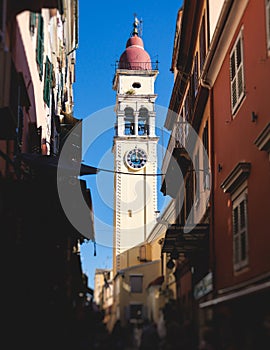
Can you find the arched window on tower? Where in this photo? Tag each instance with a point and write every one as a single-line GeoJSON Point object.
{"type": "Point", "coordinates": [143, 122]}
{"type": "Point", "coordinates": [129, 121]}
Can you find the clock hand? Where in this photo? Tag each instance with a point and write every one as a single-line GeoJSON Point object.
{"type": "Point", "coordinates": [137, 158]}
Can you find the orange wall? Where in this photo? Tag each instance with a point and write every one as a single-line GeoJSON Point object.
{"type": "Point", "coordinates": [234, 142]}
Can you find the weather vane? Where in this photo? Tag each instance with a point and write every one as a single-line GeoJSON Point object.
{"type": "Point", "coordinates": [137, 26]}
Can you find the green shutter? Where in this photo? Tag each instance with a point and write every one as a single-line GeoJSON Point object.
{"type": "Point", "coordinates": [40, 45]}
{"type": "Point", "coordinates": [32, 22]}
{"type": "Point", "coordinates": [47, 81]}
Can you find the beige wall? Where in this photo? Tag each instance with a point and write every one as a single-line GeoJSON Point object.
{"type": "Point", "coordinates": [123, 296]}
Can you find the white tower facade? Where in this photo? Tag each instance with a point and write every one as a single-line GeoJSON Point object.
{"type": "Point", "coordinates": [134, 148]}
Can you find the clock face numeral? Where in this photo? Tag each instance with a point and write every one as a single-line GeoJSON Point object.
{"type": "Point", "coordinates": [136, 158]}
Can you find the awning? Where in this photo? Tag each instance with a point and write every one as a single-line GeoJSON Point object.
{"type": "Point", "coordinates": [246, 291]}
{"type": "Point", "coordinates": [177, 239]}
{"type": "Point", "coordinates": [176, 171]}
{"type": "Point", "coordinates": [156, 282]}
{"type": "Point", "coordinates": [50, 163]}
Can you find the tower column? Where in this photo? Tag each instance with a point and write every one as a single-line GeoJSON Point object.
{"type": "Point", "coordinates": [152, 131]}
{"type": "Point", "coordinates": [136, 118]}
{"type": "Point", "coordinates": [121, 124]}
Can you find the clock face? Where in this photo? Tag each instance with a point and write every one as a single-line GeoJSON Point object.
{"type": "Point", "coordinates": [136, 158]}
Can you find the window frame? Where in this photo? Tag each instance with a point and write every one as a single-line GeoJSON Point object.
{"type": "Point", "coordinates": [238, 70]}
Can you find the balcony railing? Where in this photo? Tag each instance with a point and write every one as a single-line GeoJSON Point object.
{"type": "Point", "coordinates": [137, 65]}
{"type": "Point", "coordinates": [180, 134]}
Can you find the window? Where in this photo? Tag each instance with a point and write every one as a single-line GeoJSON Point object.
{"type": "Point", "coordinates": [189, 198]}
{"type": "Point", "coordinates": [263, 140]}
{"type": "Point", "coordinates": [143, 128]}
{"type": "Point", "coordinates": [196, 74]}
{"type": "Point", "coordinates": [239, 216]}
{"type": "Point", "coordinates": [142, 253]}
{"type": "Point", "coordinates": [135, 311]}
{"type": "Point", "coordinates": [205, 140]}
{"type": "Point", "coordinates": [2, 20]}
{"type": "Point", "coordinates": [181, 133]}
{"type": "Point", "coordinates": [268, 23]}
{"type": "Point", "coordinates": [40, 45]}
{"type": "Point", "coordinates": [47, 81]}
{"type": "Point", "coordinates": [187, 107]}
{"type": "Point", "coordinates": [136, 85]}
{"type": "Point", "coordinates": [129, 122]}
{"type": "Point", "coordinates": [236, 184]}
{"type": "Point", "coordinates": [202, 44]}
{"type": "Point", "coordinates": [129, 126]}
{"type": "Point", "coordinates": [34, 138]}
{"type": "Point", "coordinates": [32, 22]}
{"type": "Point", "coordinates": [237, 73]}
{"type": "Point", "coordinates": [196, 178]}
{"type": "Point", "coordinates": [136, 282]}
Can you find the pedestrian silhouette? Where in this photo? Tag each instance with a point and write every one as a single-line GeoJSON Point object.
{"type": "Point", "coordinates": [150, 338]}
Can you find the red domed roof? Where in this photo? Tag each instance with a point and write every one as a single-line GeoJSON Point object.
{"type": "Point", "coordinates": [135, 57]}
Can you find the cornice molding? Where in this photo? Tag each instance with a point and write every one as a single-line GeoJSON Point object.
{"type": "Point", "coordinates": [236, 177]}
{"type": "Point", "coordinates": [263, 140]}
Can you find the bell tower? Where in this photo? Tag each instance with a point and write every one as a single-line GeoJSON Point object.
{"type": "Point", "coordinates": [134, 149]}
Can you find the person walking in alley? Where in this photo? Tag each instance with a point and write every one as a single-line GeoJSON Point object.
{"type": "Point", "coordinates": [150, 338]}
{"type": "Point", "coordinates": [117, 337]}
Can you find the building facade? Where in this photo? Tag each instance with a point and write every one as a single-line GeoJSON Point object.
{"type": "Point", "coordinates": [43, 280]}
{"type": "Point", "coordinates": [221, 76]}
{"type": "Point", "coordinates": [239, 78]}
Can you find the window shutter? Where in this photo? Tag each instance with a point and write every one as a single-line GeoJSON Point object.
{"type": "Point", "coordinates": [240, 232]}
{"type": "Point", "coordinates": [268, 23]}
{"type": "Point", "coordinates": [242, 214]}
{"type": "Point", "coordinates": [240, 78]}
{"type": "Point", "coordinates": [136, 284]}
{"type": "Point", "coordinates": [32, 22]}
{"type": "Point", "coordinates": [202, 44]}
{"type": "Point", "coordinates": [235, 220]}
{"type": "Point", "coordinates": [2, 22]}
{"type": "Point", "coordinates": [237, 73]}
{"type": "Point", "coordinates": [233, 80]}
{"type": "Point", "coordinates": [40, 45]}
{"type": "Point", "coordinates": [196, 74]}
{"type": "Point", "coordinates": [47, 81]}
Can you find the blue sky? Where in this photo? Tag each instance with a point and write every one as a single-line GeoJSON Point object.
{"type": "Point", "coordinates": [103, 32]}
